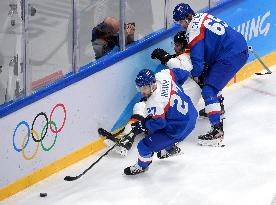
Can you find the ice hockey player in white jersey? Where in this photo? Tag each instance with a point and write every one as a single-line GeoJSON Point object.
{"type": "Point", "coordinates": [171, 116]}
{"type": "Point", "coordinates": [191, 88]}
{"type": "Point", "coordinates": [180, 60]}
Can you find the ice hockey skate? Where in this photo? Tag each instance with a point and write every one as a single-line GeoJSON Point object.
{"type": "Point", "coordinates": [134, 170]}
{"type": "Point", "coordinates": [175, 150]}
{"type": "Point", "coordinates": [213, 138]}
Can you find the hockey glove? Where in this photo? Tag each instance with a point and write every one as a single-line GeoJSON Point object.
{"type": "Point", "coordinates": [161, 55]}
{"type": "Point", "coordinates": [139, 127]}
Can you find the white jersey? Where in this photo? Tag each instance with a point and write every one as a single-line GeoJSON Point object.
{"type": "Point", "coordinates": [171, 110]}
{"type": "Point", "coordinates": [190, 87]}
{"type": "Point", "coordinates": [161, 96]}
{"type": "Point", "coordinates": [156, 103]}
{"type": "Point", "coordinates": [156, 99]}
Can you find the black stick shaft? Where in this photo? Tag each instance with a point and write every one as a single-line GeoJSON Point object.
{"type": "Point", "coordinates": [92, 165]}
{"type": "Point", "coordinates": [70, 178]}
{"type": "Point", "coordinates": [259, 59]}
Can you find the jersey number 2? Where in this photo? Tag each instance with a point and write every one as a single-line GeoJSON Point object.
{"type": "Point", "coordinates": [179, 103]}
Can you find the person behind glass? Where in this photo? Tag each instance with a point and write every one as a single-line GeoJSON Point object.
{"type": "Point", "coordinates": [223, 49]}
{"type": "Point", "coordinates": [105, 36]}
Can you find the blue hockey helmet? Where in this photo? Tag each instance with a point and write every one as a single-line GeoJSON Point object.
{"type": "Point", "coordinates": [145, 77]}
{"type": "Point", "coordinates": [181, 11]}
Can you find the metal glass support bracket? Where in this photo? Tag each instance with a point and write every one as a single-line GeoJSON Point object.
{"type": "Point", "coordinates": [27, 79]}
{"type": "Point", "coordinates": [166, 11]}
{"type": "Point", "coordinates": [122, 23]}
{"type": "Point", "coordinates": [75, 37]}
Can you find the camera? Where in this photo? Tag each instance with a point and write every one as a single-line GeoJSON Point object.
{"type": "Point", "coordinates": [131, 23]}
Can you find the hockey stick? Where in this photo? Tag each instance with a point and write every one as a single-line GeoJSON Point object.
{"type": "Point", "coordinates": [107, 134]}
{"type": "Point", "coordinates": [250, 48]}
{"type": "Point", "coordinates": [72, 178]}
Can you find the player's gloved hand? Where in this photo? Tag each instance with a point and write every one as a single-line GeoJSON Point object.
{"type": "Point", "coordinates": [139, 127]}
{"type": "Point", "coordinates": [161, 55]}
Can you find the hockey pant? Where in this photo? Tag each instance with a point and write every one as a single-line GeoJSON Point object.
{"type": "Point", "coordinates": [158, 141]}
{"type": "Point", "coordinates": [217, 77]}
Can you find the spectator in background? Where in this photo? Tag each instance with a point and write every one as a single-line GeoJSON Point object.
{"type": "Point", "coordinates": [105, 36]}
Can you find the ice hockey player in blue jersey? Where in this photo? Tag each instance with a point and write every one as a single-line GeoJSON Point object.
{"type": "Point", "coordinates": [171, 116]}
{"type": "Point", "coordinates": [223, 49]}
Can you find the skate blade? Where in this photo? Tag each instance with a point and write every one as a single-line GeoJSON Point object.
{"type": "Point", "coordinates": [174, 155]}
{"type": "Point", "coordinates": [211, 143]}
{"type": "Point", "coordinates": [179, 153]}
{"type": "Point", "coordinates": [137, 174]}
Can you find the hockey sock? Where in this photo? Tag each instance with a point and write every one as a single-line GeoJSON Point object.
{"type": "Point", "coordinates": [145, 161]}
{"type": "Point", "coordinates": [212, 104]}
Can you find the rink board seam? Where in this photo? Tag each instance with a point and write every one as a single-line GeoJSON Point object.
{"type": "Point", "coordinates": [50, 169]}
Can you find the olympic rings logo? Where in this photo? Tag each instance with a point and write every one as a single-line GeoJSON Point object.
{"type": "Point", "coordinates": [38, 138]}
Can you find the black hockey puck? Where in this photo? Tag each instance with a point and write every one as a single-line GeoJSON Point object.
{"type": "Point", "coordinates": [43, 194]}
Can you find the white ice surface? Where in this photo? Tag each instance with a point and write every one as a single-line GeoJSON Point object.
{"type": "Point", "coordinates": [241, 173]}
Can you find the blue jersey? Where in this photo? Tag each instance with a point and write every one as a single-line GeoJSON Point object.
{"type": "Point", "coordinates": [171, 109]}
{"type": "Point", "coordinates": [210, 40]}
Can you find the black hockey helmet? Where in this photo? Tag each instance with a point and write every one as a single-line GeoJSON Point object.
{"type": "Point", "coordinates": [180, 37]}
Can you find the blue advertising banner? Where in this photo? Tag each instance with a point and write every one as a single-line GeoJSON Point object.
{"type": "Point", "coordinates": [256, 20]}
